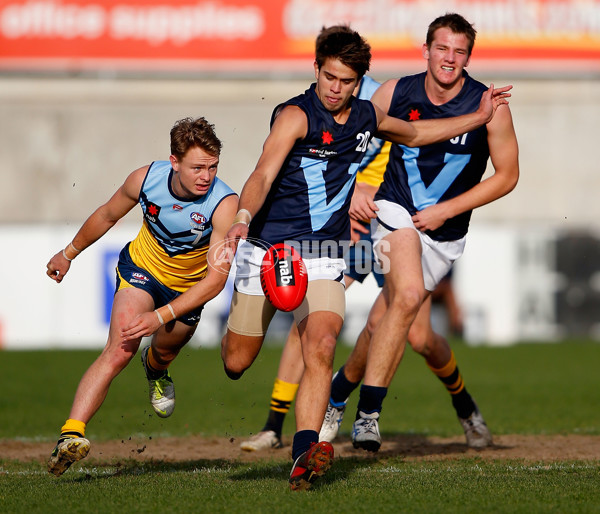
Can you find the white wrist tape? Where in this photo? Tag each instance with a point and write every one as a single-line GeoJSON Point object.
{"type": "Point", "coordinates": [240, 217]}
{"type": "Point", "coordinates": [172, 311]}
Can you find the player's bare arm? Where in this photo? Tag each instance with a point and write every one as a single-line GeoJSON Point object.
{"type": "Point", "coordinates": [504, 153]}
{"type": "Point", "coordinates": [289, 126]}
{"type": "Point", "coordinates": [203, 291]}
{"type": "Point", "coordinates": [382, 97]}
{"type": "Point", "coordinates": [425, 132]}
{"type": "Point", "coordinates": [100, 222]}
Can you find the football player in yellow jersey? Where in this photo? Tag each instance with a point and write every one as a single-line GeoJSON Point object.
{"type": "Point", "coordinates": [187, 212]}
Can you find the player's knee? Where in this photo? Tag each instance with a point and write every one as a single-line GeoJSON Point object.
{"type": "Point", "coordinates": [370, 326]}
{"type": "Point", "coordinates": [235, 360]}
{"type": "Point", "coordinates": [117, 360]}
{"type": "Point", "coordinates": [418, 340]}
{"type": "Point", "coordinates": [233, 366]}
{"type": "Point", "coordinates": [233, 375]}
{"type": "Point", "coordinates": [408, 301]}
{"type": "Point", "coordinates": [320, 353]}
{"type": "Point", "coordinates": [424, 340]}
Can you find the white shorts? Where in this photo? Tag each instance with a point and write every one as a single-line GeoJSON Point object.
{"type": "Point", "coordinates": [249, 258]}
{"type": "Point", "coordinates": [437, 257]}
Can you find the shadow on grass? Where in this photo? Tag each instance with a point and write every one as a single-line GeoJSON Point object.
{"type": "Point", "coordinates": [273, 465]}
{"type": "Point", "coordinates": [101, 470]}
{"type": "Point", "coordinates": [411, 445]}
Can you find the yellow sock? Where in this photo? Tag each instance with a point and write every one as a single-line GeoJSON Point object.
{"type": "Point", "coordinates": [153, 363]}
{"type": "Point", "coordinates": [73, 428]}
{"type": "Point", "coordinates": [450, 376]}
{"type": "Point", "coordinates": [283, 395]}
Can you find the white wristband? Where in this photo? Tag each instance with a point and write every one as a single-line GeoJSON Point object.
{"type": "Point", "coordinates": [247, 212]}
{"type": "Point", "coordinates": [241, 214]}
{"type": "Point", "coordinates": [65, 256]}
{"type": "Point", "coordinates": [172, 311]}
{"type": "Point", "coordinates": [160, 318]}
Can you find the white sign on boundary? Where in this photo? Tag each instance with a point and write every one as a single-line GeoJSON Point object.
{"type": "Point", "coordinates": [494, 284]}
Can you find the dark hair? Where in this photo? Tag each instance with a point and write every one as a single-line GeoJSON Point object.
{"type": "Point", "coordinates": [189, 133]}
{"type": "Point", "coordinates": [347, 45]}
{"type": "Point", "coordinates": [457, 24]}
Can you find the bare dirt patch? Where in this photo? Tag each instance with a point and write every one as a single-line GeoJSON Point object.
{"type": "Point", "coordinates": [538, 448]}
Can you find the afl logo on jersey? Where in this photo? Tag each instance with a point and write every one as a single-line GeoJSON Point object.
{"type": "Point", "coordinates": [198, 218]}
{"type": "Point", "coordinates": [152, 212]}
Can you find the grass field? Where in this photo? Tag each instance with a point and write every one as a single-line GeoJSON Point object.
{"type": "Point", "coordinates": [530, 390]}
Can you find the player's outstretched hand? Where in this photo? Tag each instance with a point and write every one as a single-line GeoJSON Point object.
{"type": "Point", "coordinates": [57, 267]}
{"type": "Point", "coordinates": [492, 99]}
{"type": "Point", "coordinates": [143, 325]}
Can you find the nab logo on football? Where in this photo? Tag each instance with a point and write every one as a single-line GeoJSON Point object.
{"type": "Point", "coordinates": [283, 277]}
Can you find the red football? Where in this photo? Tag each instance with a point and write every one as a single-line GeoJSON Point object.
{"type": "Point", "coordinates": [283, 277]}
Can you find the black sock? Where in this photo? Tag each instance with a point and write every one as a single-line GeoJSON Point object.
{"type": "Point", "coordinates": [275, 422]}
{"type": "Point", "coordinates": [302, 442]}
{"type": "Point", "coordinates": [371, 399]}
{"type": "Point", "coordinates": [341, 388]}
{"type": "Point", "coordinates": [463, 403]}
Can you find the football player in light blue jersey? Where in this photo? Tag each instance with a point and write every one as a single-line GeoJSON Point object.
{"type": "Point", "coordinates": [187, 211]}
{"type": "Point", "coordinates": [424, 206]}
{"type": "Point", "coordinates": [300, 190]}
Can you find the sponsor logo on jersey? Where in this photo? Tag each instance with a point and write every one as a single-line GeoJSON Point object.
{"type": "Point", "coordinates": [138, 278]}
{"type": "Point", "coordinates": [152, 212]}
{"type": "Point", "coordinates": [322, 152]}
{"type": "Point", "coordinates": [413, 114]}
{"type": "Point", "coordinates": [327, 137]}
{"type": "Point", "coordinates": [198, 218]}
{"type": "Point", "coordinates": [194, 319]}
{"type": "Point", "coordinates": [177, 207]}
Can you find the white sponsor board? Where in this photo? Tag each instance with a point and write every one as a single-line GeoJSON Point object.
{"type": "Point", "coordinates": [504, 282]}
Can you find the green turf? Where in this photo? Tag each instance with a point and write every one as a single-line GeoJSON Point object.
{"type": "Point", "coordinates": [526, 389]}
{"type": "Point", "coordinates": [465, 486]}
{"type": "Point", "coordinates": [522, 389]}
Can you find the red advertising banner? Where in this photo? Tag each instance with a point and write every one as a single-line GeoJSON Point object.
{"type": "Point", "coordinates": [554, 37]}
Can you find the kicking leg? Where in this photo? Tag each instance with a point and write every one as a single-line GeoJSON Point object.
{"type": "Point", "coordinates": [291, 367]}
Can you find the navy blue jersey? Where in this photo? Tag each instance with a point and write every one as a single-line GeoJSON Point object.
{"type": "Point", "coordinates": [418, 177]}
{"type": "Point", "coordinates": [310, 198]}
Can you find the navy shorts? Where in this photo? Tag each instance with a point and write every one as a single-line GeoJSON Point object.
{"type": "Point", "coordinates": [360, 260]}
{"type": "Point", "coordinates": [141, 279]}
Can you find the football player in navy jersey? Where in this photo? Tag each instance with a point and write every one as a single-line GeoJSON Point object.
{"type": "Point", "coordinates": [300, 192]}
{"type": "Point", "coordinates": [424, 207]}
{"type": "Point", "coordinates": [187, 212]}
{"type": "Point", "coordinates": [359, 264]}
